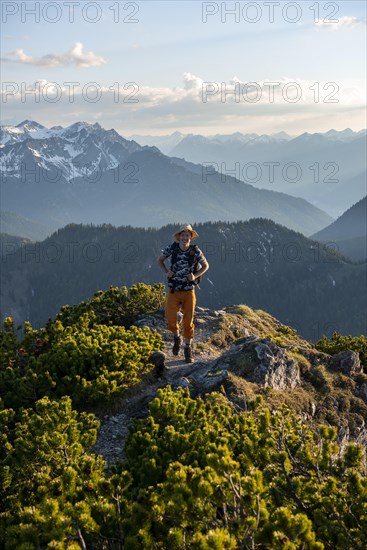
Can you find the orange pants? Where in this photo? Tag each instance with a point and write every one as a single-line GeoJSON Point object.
{"type": "Point", "coordinates": [187, 300]}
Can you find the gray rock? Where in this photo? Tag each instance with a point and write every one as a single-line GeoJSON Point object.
{"type": "Point", "coordinates": [312, 408]}
{"type": "Point", "coordinates": [261, 361]}
{"type": "Point", "coordinates": [183, 383]}
{"type": "Point", "coordinates": [200, 321]}
{"type": "Point", "coordinates": [219, 313]}
{"type": "Point", "coordinates": [276, 370]}
{"type": "Point", "coordinates": [343, 437]}
{"type": "Point", "coordinates": [248, 339]}
{"type": "Point", "coordinates": [346, 362]}
{"type": "Point", "coordinates": [212, 379]}
{"type": "Point", "coordinates": [361, 438]}
{"type": "Point", "coordinates": [158, 359]}
{"type": "Point", "coordinates": [362, 392]}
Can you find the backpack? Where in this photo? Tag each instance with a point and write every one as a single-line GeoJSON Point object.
{"type": "Point", "coordinates": [194, 265]}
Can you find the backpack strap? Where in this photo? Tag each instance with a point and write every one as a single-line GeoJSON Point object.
{"type": "Point", "coordinates": [193, 251]}
{"type": "Point", "coordinates": [193, 263]}
{"type": "Point", "coordinates": [174, 253]}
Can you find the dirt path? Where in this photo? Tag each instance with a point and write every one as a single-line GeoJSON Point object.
{"type": "Point", "coordinates": [115, 428]}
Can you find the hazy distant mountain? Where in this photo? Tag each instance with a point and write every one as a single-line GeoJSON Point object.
{"type": "Point", "coordinates": [349, 232]}
{"type": "Point", "coordinates": [344, 135]}
{"type": "Point", "coordinates": [258, 262]}
{"type": "Point", "coordinates": [328, 170]}
{"type": "Point", "coordinates": [353, 223]}
{"type": "Point", "coordinates": [167, 143]}
{"type": "Point", "coordinates": [86, 174]}
{"type": "Point", "coordinates": [163, 143]}
{"type": "Point", "coordinates": [13, 224]}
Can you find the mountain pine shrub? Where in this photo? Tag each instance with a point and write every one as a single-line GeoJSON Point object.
{"type": "Point", "coordinates": [339, 342]}
{"type": "Point", "coordinates": [201, 473]}
{"type": "Point", "coordinates": [80, 353]}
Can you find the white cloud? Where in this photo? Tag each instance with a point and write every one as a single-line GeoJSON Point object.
{"type": "Point", "coordinates": [146, 108]}
{"type": "Point", "coordinates": [87, 59]}
{"type": "Point", "coordinates": [233, 95]}
{"type": "Point", "coordinates": [293, 92]}
{"type": "Point", "coordinates": [192, 82]}
{"type": "Point", "coordinates": [346, 22]}
{"type": "Point", "coordinates": [75, 56]}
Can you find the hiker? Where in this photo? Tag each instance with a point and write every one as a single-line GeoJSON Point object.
{"type": "Point", "coordinates": [188, 263]}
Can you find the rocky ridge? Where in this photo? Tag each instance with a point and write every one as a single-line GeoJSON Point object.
{"type": "Point", "coordinates": [245, 353]}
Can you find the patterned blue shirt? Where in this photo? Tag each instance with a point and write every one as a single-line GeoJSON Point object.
{"type": "Point", "coordinates": [181, 267]}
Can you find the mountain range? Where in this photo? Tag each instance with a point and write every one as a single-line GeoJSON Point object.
{"type": "Point", "coordinates": [327, 169]}
{"type": "Point", "coordinates": [166, 143]}
{"type": "Point", "coordinates": [85, 174]}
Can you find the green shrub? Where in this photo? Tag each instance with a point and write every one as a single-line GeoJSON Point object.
{"type": "Point", "coordinates": [196, 475]}
{"type": "Point", "coordinates": [201, 473]}
{"type": "Point", "coordinates": [81, 353]}
{"type": "Point", "coordinates": [338, 343]}
{"type": "Point", "coordinates": [50, 485]}
{"type": "Point", "coordinates": [115, 306]}
{"type": "Point", "coordinates": [89, 363]}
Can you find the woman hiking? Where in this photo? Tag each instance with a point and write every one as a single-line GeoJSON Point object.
{"type": "Point", "coordinates": [188, 263]}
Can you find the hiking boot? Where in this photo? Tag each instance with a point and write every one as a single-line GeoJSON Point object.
{"type": "Point", "coordinates": [188, 355]}
{"type": "Point", "coordinates": [176, 345]}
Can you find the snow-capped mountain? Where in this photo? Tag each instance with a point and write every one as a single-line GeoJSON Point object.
{"type": "Point", "coordinates": [86, 174]}
{"type": "Point", "coordinates": [79, 150]}
{"type": "Point", "coordinates": [26, 129]}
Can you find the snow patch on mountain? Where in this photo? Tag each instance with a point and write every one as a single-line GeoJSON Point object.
{"type": "Point", "coordinates": [78, 150]}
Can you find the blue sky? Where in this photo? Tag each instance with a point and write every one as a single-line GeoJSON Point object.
{"type": "Point", "coordinates": [173, 57]}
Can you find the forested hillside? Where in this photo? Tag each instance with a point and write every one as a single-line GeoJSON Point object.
{"type": "Point", "coordinates": [238, 459]}
{"type": "Point", "coordinates": [303, 283]}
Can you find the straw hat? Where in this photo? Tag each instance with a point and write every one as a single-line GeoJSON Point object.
{"type": "Point", "coordinates": [186, 227]}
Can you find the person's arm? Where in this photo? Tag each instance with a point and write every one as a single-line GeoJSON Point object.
{"type": "Point", "coordinates": [162, 266]}
{"type": "Point", "coordinates": [204, 268]}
